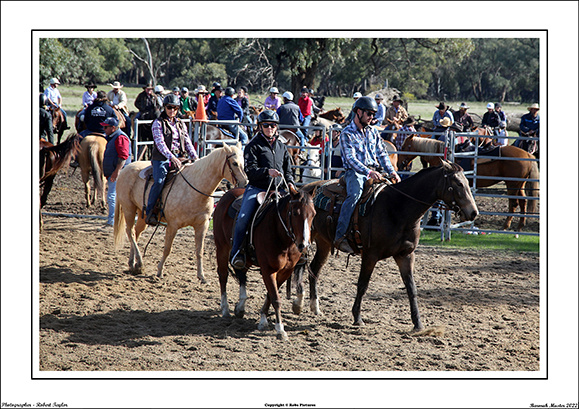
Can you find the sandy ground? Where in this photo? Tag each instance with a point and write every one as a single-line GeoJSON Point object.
{"type": "Point", "coordinates": [95, 316]}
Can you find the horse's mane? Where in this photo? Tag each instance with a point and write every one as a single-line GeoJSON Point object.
{"type": "Point", "coordinates": [206, 161]}
{"type": "Point", "coordinates": [63, 152]}
{"type": "Point", "coordinates": [427, 145]}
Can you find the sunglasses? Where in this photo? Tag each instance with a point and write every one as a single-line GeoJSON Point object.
{"type": "Point", "coordinates": [370, 113]}
{"type": "Point", "coordinates": [269, 125]}
{"type": "Point", "coordinates": [172, 107]}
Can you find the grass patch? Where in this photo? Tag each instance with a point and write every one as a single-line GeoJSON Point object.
{"type": "Point", "coordinates": [487, 241]}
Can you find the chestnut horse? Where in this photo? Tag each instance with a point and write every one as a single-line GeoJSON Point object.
{"type": "Point", "coordinates": [279, 239]}
{"type": "Point", "coordinates": [336, 115]}
{"type": "Point", "coordinates": [90, 160]}
{"type": "Point", "coordinates": [391, 228]}
{"type": "Point", "coordinates": [188, 201]}
{"type": "Point", "coordinates": [499, 169]}
{"type": "Point", "coordinates": [59, 124]}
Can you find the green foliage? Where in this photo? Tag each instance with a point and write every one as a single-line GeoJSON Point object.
{"type": "Point", "coordinates": [499, 242]}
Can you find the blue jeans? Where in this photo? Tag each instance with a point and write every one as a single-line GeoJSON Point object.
{"type": "Point", "coordinates": [242, 135]}
{"type": "Point", "coordinates": [354, 187]}
{"type": "Point", "coordinates": [307, 120]}
{"type": "Point", "coordinates": [249, 205]}
{"type": "Point", "coordinates": [160, 170]}
{"type": "Point", "coordinates": [111, 200]}
{"type": "Point", "coordinates": [302, 137]}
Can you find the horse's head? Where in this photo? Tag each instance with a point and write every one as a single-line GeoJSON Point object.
{"type": "Point", "coordinates": [405, 159]}
{"type": "Point", "coordinates": [456, 192]}
{"type": "Point", "coordinates": [298, 218]}
{"type": "Point", "coordinates": [234, 161]}
{"type": "Point", "coordinates": [313, 156]}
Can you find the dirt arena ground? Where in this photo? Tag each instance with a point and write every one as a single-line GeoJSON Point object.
{"type": "Point", "coordinates": [95, 316]}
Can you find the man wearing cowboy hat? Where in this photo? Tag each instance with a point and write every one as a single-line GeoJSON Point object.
{"type": "Point", "coordinates": [201, 90]}
{"type": "Point", "coordinates": [442, 112]}
{"type": "Point", "coordinates": [529, 124]}
{"type": "Point", "coordinates": [407, 126]}
{"type": "Point", "coordinates": [147, 103]}
{"type": "Point", "coordinates": [118, 100]}
{"type": "Point", "coordinates": [396, 114]}
{"type": "Point", "coordinates": [463, 119]}
{"type": "Point", "coordinates": [212, 103]}
{"type": "Point", "coordinates": [381, 113]}
{"type": "Point", "coordinates": [54, 99]}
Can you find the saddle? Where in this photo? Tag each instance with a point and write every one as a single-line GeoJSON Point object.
{"type": "Point", "coordinates": [147, 175]}
{"type": "Point", "coordinates": [330, 196]}
{"type": "Point", "coordinates": [266, 202]}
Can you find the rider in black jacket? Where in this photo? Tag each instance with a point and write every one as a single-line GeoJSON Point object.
{"type": "Point", "coordinates": [266, 157]}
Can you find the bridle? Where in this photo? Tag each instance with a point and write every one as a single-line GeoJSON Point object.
{"type": "Point", "coordinates": [222, 172]}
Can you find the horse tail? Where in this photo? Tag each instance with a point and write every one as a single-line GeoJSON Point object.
{"type": "Point", "coordinates": [532, 187]}
{"type": "Point", "coordinates": [63, 153]}
{"type": "Point", "coordinates": [95, 165]}
{"type": "Point", "coordinates": [119, 225]}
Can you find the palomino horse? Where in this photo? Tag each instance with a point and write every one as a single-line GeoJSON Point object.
{"type": "Point", "coordinates": [391, 228]}
{"type": "Point", "coordinates": [59, 124]}
{"type": "Point", "coordinates": [500, 169]}
{"type": "Point", "coordinates": [90, 160]}
{"type": "Point", "coordinates": [279, 239]}
{"type": "Point", "coordinates": [187, 202]}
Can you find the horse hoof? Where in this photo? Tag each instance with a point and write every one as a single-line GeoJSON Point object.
{"type": "Point", "coordinates": [239, 313]}
{"type": "Point", "coordinates": [296, 308]}
{"type": "Point", "coordinates": [282, 336]}
{"type": "Point", "coordinates": [359, 323]}
{"type": "Point", "coordinates": [225, 314]}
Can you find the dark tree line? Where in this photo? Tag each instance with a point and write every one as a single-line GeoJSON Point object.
{"type": "Point", "coordinates": [433, 68]}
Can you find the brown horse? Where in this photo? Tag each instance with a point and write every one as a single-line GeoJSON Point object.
{"type": "Point", "coordinates": [188, 201]}
{"type": "Point", "coordinates": [496, 168]}
{"type": "Point", "coordinates": [291, 139]}
{"type": "Point", "coordinates": [391, 228]}
{"type": "Point", "coordinates": [279, 239]}
{"type": "Point", "coordinates": [336, 115]}
{"type": "Point", "coordinates": [90, 160]}
{"type": "Point", "coordinates": [59, 124]}
{"type": "Point", "coordinates": [393, 156]}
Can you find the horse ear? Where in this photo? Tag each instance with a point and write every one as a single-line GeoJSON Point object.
{"type": "Point", "coordinates": [223, 144]}
{"type": "Point", "coordinates": [239, 144]}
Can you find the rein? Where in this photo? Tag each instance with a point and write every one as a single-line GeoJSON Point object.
{"type": "Point", "coordinates": [222, 171]}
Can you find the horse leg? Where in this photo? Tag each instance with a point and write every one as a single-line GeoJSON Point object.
{"type": "Point", "coordinates": [200, 233]}
{"type": "Point", "coordinates": [363, 280]}
{"type": "Point", "coordinates": [271, 283]}
{"type": "Point", "coordinates": [320, 258]}
{"type": "Point", "coordinates": [47, 188]}
{"type": "Point", "coordinates": [406, 266]}
{"type": "Point", "coordinates": [85, 180]}
{"type": "Point", "coordinates": [135, 259]}
{"type": "Point", "coordinates": [169, 237]}
{"type": "Point", "coordinates": [298, 277]}
{"type": "Point", "coordinates": [240, 306]}
{"type": "Point", "coordinates": [512, 190]}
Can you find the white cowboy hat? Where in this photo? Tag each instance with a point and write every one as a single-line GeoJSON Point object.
{"type": "Point", "coordinates": [534, 106]}
{"type": "Point", "coordinates": [54, 81]}
{"type": "Point", "coordinates": [116, 84]}
{"type": "Point", "coordinates": [201, 89]}
{"type": "Point", "coordinates": [445, 122]}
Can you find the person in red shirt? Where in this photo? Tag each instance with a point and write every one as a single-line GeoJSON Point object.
{"type": "Point", "coordinates": [305, 103]}
{"type": "Point", "coordinates": [117, 155]}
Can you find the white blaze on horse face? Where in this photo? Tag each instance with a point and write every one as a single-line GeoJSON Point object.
{"type": "Point", "coordinates": [306, 232]}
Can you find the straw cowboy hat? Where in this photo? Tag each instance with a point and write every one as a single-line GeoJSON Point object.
{"type": "Point", "coordinates": [149, 85]}
{"type": "Point", "coordinates": [445, 122]}
{"type": "Point", "coordinates": [442, 105]}
{"type": "Point", "coordinates": [534, 106]}
{"type": "Point", "coordinates": [201, 89]}
{"type": "Point", "coordinates": [116, 84]}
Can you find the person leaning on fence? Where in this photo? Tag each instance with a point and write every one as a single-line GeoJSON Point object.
{"type": "Point", "coordinates": [118, 100]}
{"type": "Point", "coordinates": [46, 131]}
{"type": "Point", "coordinates": [229, 110]}
{"type": "Point", "coordinates": [147, 103]}
{"type": "Point", "coordinates": [266, 157]}
{"type": "Point", "coordinates": [529, 126]}
{"type": "Point", "coordinates": [362, 153]}
{"type": "Point", "coordinates": [442, 112]}
{"type": "Point", "coordinates": [117, 155]}
{"type": "Point", "coordinates": [463, 119]}
{"type": "Point", "coordinates": [171, 141]}
{"type": "Point", "coordinates": [290, 114]}
{"type": "Point", "coordinates": [188, 103]}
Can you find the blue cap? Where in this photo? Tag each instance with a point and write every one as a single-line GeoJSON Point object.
{"type": "Point", "coordinates": [110, 121]}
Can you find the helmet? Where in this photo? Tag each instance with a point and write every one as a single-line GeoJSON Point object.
{"type": "Point", "coordinates": [171, 99]}
{"type": "Point", "coordinates": [229, 91]}
{"type": "Point", "coordinates": [357, 95]}
{"type": "Point", "coordinates": [365, 103]}
{"type": "Point", "coordinates": [288, 95]}
{"type": "Point", "coordinates": [268, 116]}
{"type": "Point", "coordinates": [159, 88]}
{"type": "Point", "coordinates": [43, 100]}
{"type": "Point", "coordinates": [176, 89]}
{"type": "Point", "coordinates": [54, 81]}
{"type": "Point", "coordinates": [273, 90]}
{"type": "Point", "coordinates": [490, 105]}
{"type": "Point", "coordinates": [216, 85]}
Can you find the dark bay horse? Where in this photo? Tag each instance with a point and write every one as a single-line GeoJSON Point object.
{"type": "Point", "coordinates": [499, 169]}
{"type": "Point", "coordinates": [391, 228]}
{"type": "Point", "coordinates": [279, 239]}
{"type": "Point", "coordinates": [59, 124]}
